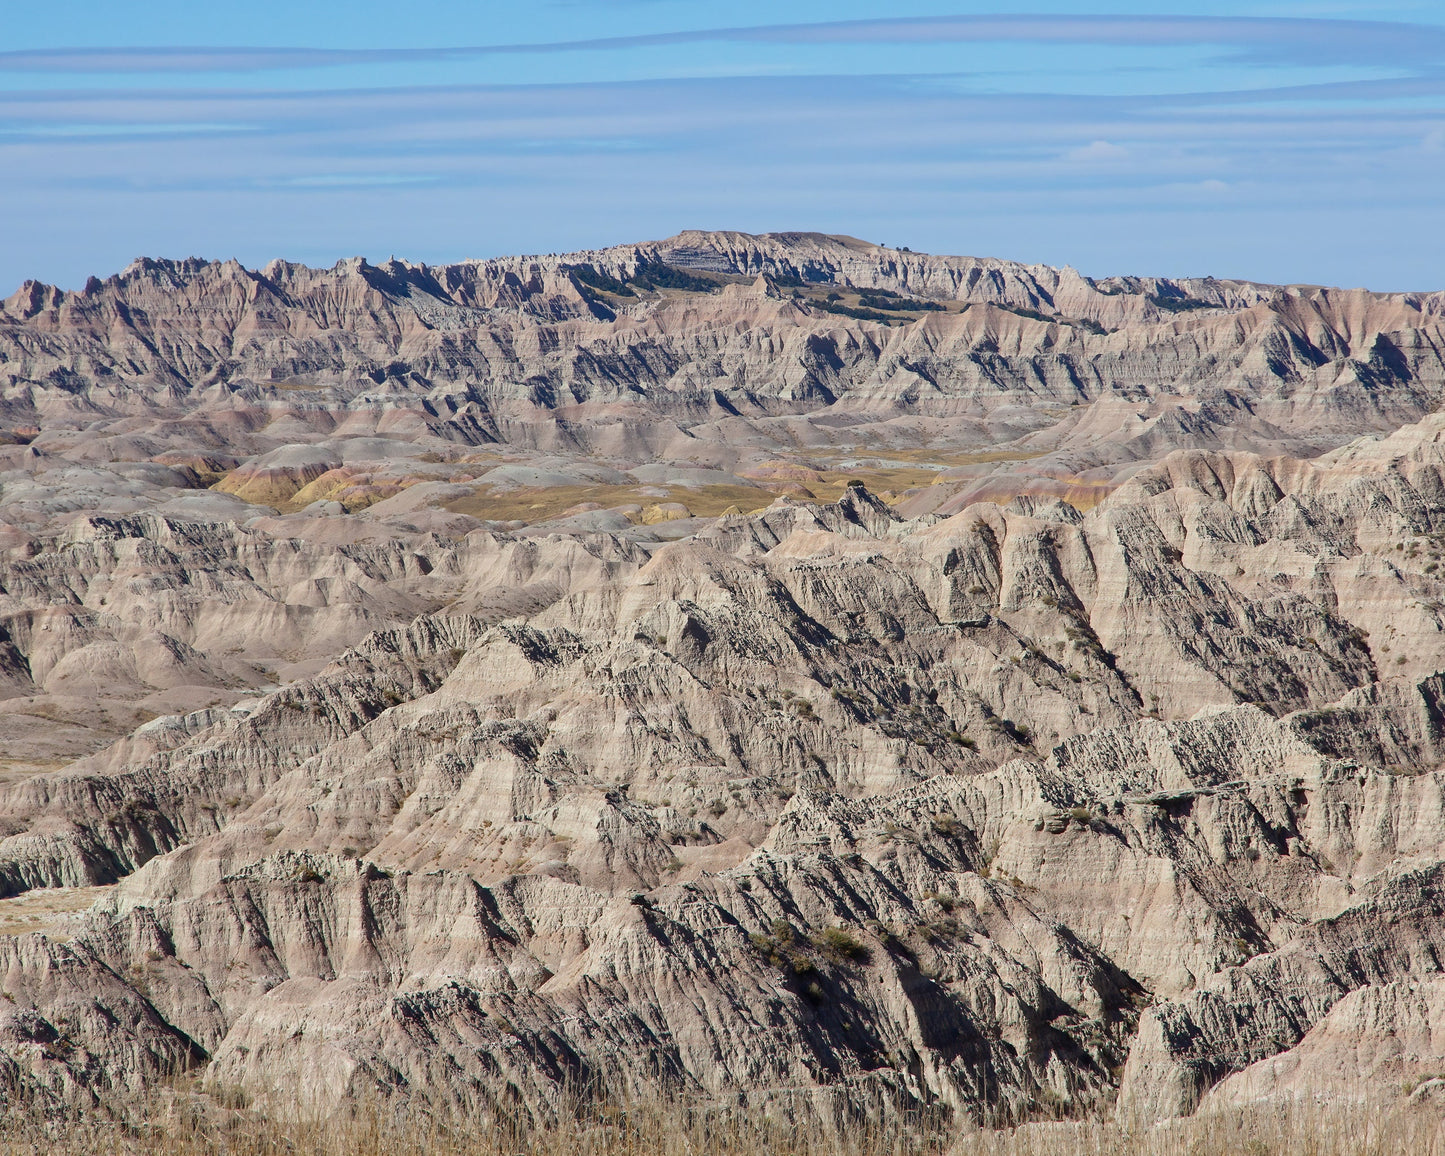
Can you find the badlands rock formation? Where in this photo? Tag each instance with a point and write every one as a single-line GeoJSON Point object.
{"type": "Point", "coordinates": [377, 647]}
{"type": "Point", "coordinates": [711, 349]}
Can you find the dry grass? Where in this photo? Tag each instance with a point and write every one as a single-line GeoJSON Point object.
{"type": "Point", "coordinates": [540, 504]}
{"type": "Point", "coordinates": [1084, 496]}
{"type": "Point", "coordinates": [946, 457]}
{"type": "Point", "coordinates": [180, 1125]}
{"type": "Point", "coordinates": [51, 911]}
{"type": "Point", "coordinates": [173, 1127]}
{"type": "Point", "coordinates": [1284, 1129]}
{"type": "Point", "coordinates": [887, 482]}
{"type": "Point", "coordinates": [13, 770]}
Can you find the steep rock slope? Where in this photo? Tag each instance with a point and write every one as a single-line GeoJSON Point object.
{"type": "Point", "coordinates": [818, 806]}
{"type": "Point", "coordinates": [111, 621]}
{"type": "Point", "coordinates": [214, 358]}
{"type": "Point", "coordinates": [494, 751]}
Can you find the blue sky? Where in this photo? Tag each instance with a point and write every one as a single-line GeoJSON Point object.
{"type": "Point", "coordinates": [1286, 142]}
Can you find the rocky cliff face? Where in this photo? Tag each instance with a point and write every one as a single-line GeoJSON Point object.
{"type": "Point", "coordinates": [1123, 804]}
{"type": "Point", "coordinates": [727, 332]}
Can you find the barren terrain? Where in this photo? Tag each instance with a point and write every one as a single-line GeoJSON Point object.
{"type": "Point", "coordinates": [778, 671]}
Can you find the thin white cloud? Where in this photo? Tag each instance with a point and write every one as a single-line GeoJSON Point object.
{"type": "Point", "coordinates": [1259, 40]}
{"type": "Point", "coordinates": [1097, 152]}
{"type": "Point", "coordinates": [264, 168]}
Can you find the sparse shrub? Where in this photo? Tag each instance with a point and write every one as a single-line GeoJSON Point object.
{"type": "Point", "coordinates": [990, 853]}
{"type": "Point", "coordinates": [1181, 304]}
{"type": "Point", "coordinates": [947, 902]}
{"type": "Point", "coordinates": [837, 946]}
{"type": "Point", "coordinates": [782, 949]}
{"type": "Point", "coordinates": [1020, 734]}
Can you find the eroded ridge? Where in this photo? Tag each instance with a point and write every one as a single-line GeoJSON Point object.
{"type": "Point", "coordinates": [1014, 809]}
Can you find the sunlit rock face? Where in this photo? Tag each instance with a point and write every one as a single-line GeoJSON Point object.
{"type": "Point", "coordinates": [778, 670]}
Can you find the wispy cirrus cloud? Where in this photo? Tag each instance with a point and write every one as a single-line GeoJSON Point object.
{"type": "Point", "coordinates": [1272, 148]}
{"type": "Point", "coordinates": [1097, 151]}
{"type": "Point", "coordinates": [1253, 40]}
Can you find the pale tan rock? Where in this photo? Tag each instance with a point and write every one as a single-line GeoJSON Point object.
{"type": "Point", "coordinates": [1130, 804]}
{"type": "Point", "coordinates": [1382, 1042]}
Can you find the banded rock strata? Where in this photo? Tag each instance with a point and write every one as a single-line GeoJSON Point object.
{"type": "Point", "coordinates": [456, 689]}
{"type": "Point", "coordinates": [819, 806]}
{"type": "Point", "coordinates": [173, 374]}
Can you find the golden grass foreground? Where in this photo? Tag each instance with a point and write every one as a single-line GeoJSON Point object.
{"type": "Point", "coordinates": [176, 1126]}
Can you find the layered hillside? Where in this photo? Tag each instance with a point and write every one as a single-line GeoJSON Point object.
{"type": "Point", "coordinates": [819, 805]}
{"type": "Point", "coordinates": [718, 342]}
{"type": "Point", "coordinates": [674, 667]}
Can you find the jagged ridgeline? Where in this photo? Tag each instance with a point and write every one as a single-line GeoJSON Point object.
{"type": "Point", "coordinates": [468, 351]}
{"type": "Point", "coordinates": [775, 672]}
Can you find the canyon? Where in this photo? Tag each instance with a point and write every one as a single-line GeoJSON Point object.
{"type": "Point", "coordinates": [776, 671]}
